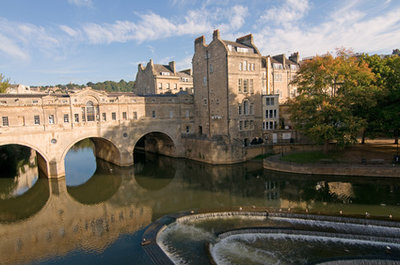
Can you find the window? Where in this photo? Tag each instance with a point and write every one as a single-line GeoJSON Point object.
{"type": "Point", "coordinates": [248, 66]}
{"type": "Point", "coordinates": [187, 129]}
{"type": "Point", "coordinates": [153, 114]}
{"type": "Point", "coordinates": [175, 86]}
{"type": "Point", "coordinates": [160, 86]}
{"type": "Point", "coordinates": [51, 119]}
{"type": "Point", "coordinates": [35, 101]}
{"type": "Point", "coordinates": [240, 125]}
{"type": "Point", "coordinates": [66, 118]}
{"type": "Point", "coordinates": [83, 114]}
{"type": "Point", "coordinates": [251, 86]}
{"type": "Point", "coordinates": [277, 66]}
{"type": "Point", "coordinates": [5, 121]}
{"type": "Point", "coordinates": [274, 113]}
{"type": "Point", "coordinates": [205, 101]}
{"type": "Point", "coordinates": [124, 116]}
{"type": "Point", "coordinates": [36, 119]}
{"type": "Point", "coordinates": [270, 113]}
{"type": "Point", "coordinates": [266, 114]}
{"type": "Point", "coordinates": [167, 85]}
{"type": "Point", "coordinates": [244, 65]}
{"type": "Point", "coordinates": [240, 66]}
{"type": "Point", "coordinates": [252, 67]}
{"type": "Point", "coordinates": [204, 81]}
{"type": "Point", "coordinates": [135, 115]}
{"type": "Point", "coordinates": [113, 116]}
{"type": "Point", "coordinates": [245, 85]}
{"type": "Point", "coordinates": [171, 114]}
{"type": "Point", "coordinates": [240, 83]}
{"type": "Point", "coordinates": [76, 117]}
{"type": "Point", "coordinates": [251, 124]}
{"type": "Point", "coordinates": [164, 73]}
{"type": "Point", "coordinates": [211, 68]}
{"type": "Point", "coordinates": [272, 101]}
{"type": "Point", "coordinates": [240, 110]}
{"type": "Point", "coordinates": [246, 124]}
{"type": "Point", "coordinates": [271, 125]}
{"type": "Point", "coordinates": [267, 101]}
{"type": "Point", "coordinates": [90, 111]}
{"type": "Point", "coordinates": [187, 113]}
{"type": "Point", "coordinates": [245, 107]}
{"type": "Point", "coordinates": [104, 116]}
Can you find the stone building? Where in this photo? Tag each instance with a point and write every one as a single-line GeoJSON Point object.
{"type": "Point", "coordinates": [227, 81]}
{"type": "Point", "coordinates": [162, 79]}
{"type": "Point", "coordinates": [280, 71]}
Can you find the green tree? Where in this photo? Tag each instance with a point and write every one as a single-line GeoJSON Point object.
{"type": "Point", "coordinates": [391, 103]}
{"type": "Point", "coordinates": [4, 84]}
{"type": "Point", "coordinates": [332, 90]}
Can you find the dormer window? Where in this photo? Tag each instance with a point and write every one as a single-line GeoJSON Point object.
{"type": "Point", "coordinates": [277, 66]}
{"type": "Point", "coordinates": [244, 50]}
{"type": "Point", "coordinates": [165, 73]}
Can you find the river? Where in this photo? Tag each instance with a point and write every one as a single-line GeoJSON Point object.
{"type": "Point", "coordinates": [98, 212]}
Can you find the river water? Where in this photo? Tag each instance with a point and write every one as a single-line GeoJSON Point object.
{"type": "Point", "coordinates": [98, 212]}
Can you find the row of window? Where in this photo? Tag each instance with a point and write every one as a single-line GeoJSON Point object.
{"type": "Point", "coordinates": [270, 101]}
{"type": "Point", "coordinates": [246, 125]}
{"type": "Point", "coordinates": [167, 86]}
{"type": "Point", "coordinates": [245, 85]}
{"type": "Point", "coordinates": [271, 114]}
{"type": "Point", "coordinates": [245, 66]}
{"type": "Point", "coordinates": [270, 125]}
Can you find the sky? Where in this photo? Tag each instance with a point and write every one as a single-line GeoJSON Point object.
{"type": "Point", "coordinates": [49, 42]}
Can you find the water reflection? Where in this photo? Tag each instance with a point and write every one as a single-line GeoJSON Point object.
{"type": "Point", "coordinates": [19, 171]}
{"type": "Point", "coordinates": [84, 214]}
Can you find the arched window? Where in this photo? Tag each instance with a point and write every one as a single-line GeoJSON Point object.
{"type": "Point", "coordinates": [90, 111]}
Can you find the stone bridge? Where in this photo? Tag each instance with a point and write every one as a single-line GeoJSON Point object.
{"type": "Point", "coordinates": [51, 124]}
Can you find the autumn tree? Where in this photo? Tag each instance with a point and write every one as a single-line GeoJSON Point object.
{"type": "Point", "coordinates": [331, 91]}
{"type": "Point", "coordinates": [4, 84]}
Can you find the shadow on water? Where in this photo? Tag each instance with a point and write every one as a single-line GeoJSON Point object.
{"type": "Point", "coordinates": [153, 172]}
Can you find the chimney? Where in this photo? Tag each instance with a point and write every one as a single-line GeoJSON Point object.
{"type": "Point", "coordinates": [295, 57]}
{"type": "Point", "coordinates": [199, 41]}
{"type": "Point", "coordinates": [247, 40]}
{"type": "Point", "coordinates": [216, 34]}
{"type": "Point", "coordinates": [172, 66]}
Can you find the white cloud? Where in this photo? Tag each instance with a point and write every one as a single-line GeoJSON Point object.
{"type": "Point", "coordinates": [348, 27]}
{"type": "Point", "coordinates": [86, 3]}
{"type": "Point", "coordinates": [291, 10]}
{"type": "Point", "coordinates": [10, 48]}
{"type": "Point", "coordinates": [151, 26]}
{"type": "Point", "coordinates": [70, 31]}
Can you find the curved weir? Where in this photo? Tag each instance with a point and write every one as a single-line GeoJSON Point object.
{"type": "Point", "coordinates": [250, 237]}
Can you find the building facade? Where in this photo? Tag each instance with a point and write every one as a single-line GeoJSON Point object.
{"type": "Point", "coordinates": [162, 79]}
{"type": "Point", "coordinates": [227, 81]}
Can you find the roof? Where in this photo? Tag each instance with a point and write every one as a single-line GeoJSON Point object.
{"type": "Point", "coordinates": [158, 68]}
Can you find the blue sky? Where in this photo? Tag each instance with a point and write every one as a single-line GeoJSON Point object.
{"type": "Point", "coordinates": [47, 42]}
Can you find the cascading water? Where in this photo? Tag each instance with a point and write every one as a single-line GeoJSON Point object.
{"type": "Point", "coordinates": [246, 238]}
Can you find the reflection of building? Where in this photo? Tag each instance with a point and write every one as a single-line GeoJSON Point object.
{"type": "Point", "coordinates": [162, 79]}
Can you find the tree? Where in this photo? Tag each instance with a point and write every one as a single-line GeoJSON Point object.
{"type": "Point", "coordinates": [4, 84]}
{"type": "Point", "coordinates": [391, 105]}
{"type": "Point", "coordinates": [332, 90]}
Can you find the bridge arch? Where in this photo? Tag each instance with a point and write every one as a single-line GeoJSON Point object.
{"type": "Point", "coordinates": [41, 156]}
{"type": "Point", "coordinates": [105, 149]}
{"type": "Point", "coordinates": [156, 142]}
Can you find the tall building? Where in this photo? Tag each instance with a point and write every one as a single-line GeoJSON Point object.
{"type": "Point", "coordinates": [227, 80]}
{"type": "Point", "coordinates": [162, 79]}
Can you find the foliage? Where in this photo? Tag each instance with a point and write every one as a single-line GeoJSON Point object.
{"type": "Point", "coordinates": [4, 84]}
{"type": "Point", "coordinates": [384, 117]}
{"type": "Point", "coordinates": [110, 86]}
{"type": "Point", "coordinates": [332, 90]}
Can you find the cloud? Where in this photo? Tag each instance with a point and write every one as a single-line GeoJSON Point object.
{"type": "Point", "coordinates": [18, 39]}
{"type": "Point", "coordinates": [151, 26]}
{"type": "Point", "coordinates": [10, 48]}
{"type": "Point", "coordinates": [291, 10]}
{"type": "Point", "coordinates": [81, 3]}
{"type": "Point", "coordinates": [70, 31]}
{"type": "Point", "coordinates": [348, 27]}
